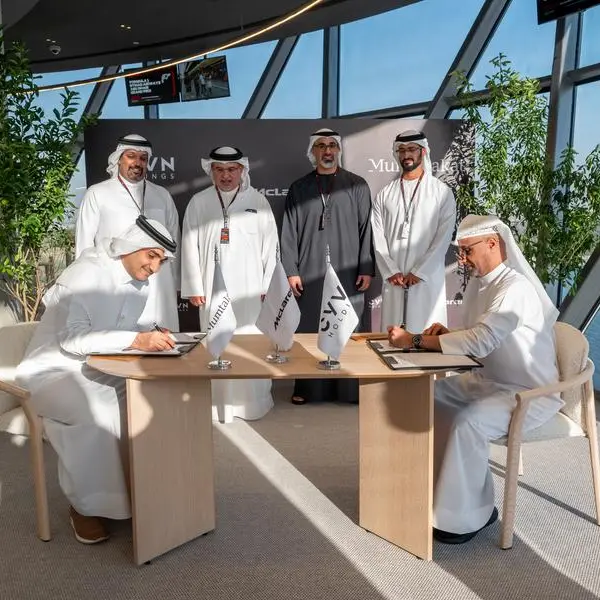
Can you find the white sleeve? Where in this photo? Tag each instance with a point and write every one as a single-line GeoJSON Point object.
{"type": "Point", "coordinates": [78, 338]}
{"type": "Point", "coordinates": [386, 264]}
{"type": "Point", "coordinates": [191, 273]}
{"type": "Point", "coordinates": [492, 327]}
{"type": "Point", "coordinates": [88, 220]}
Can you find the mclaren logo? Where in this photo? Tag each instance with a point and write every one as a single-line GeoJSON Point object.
{"type": "Point", "coordinates": [161, 168]}
{"type": "Point", "coordinates": [273, 192]}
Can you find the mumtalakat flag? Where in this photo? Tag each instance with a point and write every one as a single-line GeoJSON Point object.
{"type": "Point", "coordinates": [279, 316]}
{"type": "Point", "coordinates": [221, 320]}
{"type": "Point", "coordinates": [338, 317]}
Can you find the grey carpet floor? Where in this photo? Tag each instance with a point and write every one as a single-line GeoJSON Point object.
{"type": "Point", "coordinates": [286, 491]}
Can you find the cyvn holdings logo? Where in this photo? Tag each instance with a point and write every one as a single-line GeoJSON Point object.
{"type": "Point", "coordinates": [161, 168]}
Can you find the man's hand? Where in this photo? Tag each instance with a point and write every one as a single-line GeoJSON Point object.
{"type": "Point", "coordinates": [411, 279]}
{"type": "Point", "coordinates": [396, 279]}
{"type": "Point", "coordinates": [153, 341]}
{"type": "Point", "coordinates": [363, 282]}
{"type": "Point", "coordinates": [295, 282]}
{"type": "Point", "coordinates": [436, 329]}
{"type": "Point", "coordinates": [399, 337]}
{"type": "Point", "coordinates": [197, 300]}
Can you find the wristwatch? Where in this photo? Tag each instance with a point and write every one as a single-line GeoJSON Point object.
{"type": "Point", "coordinates": [417, 340]}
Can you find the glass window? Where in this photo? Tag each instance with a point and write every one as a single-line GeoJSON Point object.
{"type": "Point", "coordinates": [587, 125]}
{"type": "Point", "coordinates": [401, 56]}
{"type": "Point", "coordinates": [529, 46]}
{"type": "Point", "coordinates": [590, 41]}
{"type": "Point", "coordinates": [115, 106]}
{"type": "Point", "coordinates": [52, 99]}
{"type": "Point", "coordinates": [592, 333]}
{"type": "Point", "coordinates": [245, 65]}
{"type": "Point", "coordinates": [298, 94]}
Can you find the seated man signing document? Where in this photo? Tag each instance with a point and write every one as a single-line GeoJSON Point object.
{"type": "Point", "coordinates": [509, 322]}
{"type": "Point", "coordinates": [93, 307]}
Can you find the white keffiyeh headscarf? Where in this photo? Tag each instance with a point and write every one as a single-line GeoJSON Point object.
{"type": "Point", "coordinates": [133, 141]}
{"type": "Point", "coordinates": [144, 233]}
{"type": "Point", "coordinates": [411, 136]}
{"type": "Point", "coordinates": [228, 154]}
{"type": "Point", "coordinates": [319, 134]}
{"type": "Point", "coordinates": [486, 225]}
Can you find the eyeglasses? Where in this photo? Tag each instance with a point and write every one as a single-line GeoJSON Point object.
{"type": "Point", "coordinates": [330, 146]}
{"type": "Point", "coordinates": [409, 150]}
{"type": "Point", "coordinates": [464, 251]}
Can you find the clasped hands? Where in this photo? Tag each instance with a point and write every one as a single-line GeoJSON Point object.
{"type": "Point", "coordinates": [402, 280]}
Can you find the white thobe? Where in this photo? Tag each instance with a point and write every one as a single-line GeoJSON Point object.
{"type": "Point", "coordinates": [506, 331]}
{"type": "Point", "coordinates": [247, 263]}
{"type": "Point", "coordinates": [94, 307]}
{"type": "Point", "coordinates": [107, 210]}
{"type": "Point", "coordinates": [431, 215]}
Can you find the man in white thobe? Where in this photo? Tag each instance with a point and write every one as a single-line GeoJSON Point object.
{"type": "Point", "coordinates": [110, 207]}
{"type": "Point", "coordinates": [232, 215]}
{"type": "Point", "coordinates": [95, 306]}
{"type": "Point", "coordinates": [509, 322]}
{"type": "Point", "coordinates": [413, 219]}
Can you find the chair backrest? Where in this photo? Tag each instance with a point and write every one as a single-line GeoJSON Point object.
{"type": "Point", "coordinates": [14, 340]}
{"type": "Point", "coordinates": [572, 350]}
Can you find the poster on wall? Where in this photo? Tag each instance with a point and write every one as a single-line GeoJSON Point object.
{"type": "Point", "coordinates": [277, 153]}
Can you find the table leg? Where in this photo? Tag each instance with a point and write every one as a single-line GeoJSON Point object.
{"type": "Point", "coordinates": [171, 463]}
{"type": "Point", "coordinates": [396, 461]}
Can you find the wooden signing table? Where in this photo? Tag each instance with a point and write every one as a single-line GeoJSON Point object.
{"type": "Point", "coordinates": [170, 439]}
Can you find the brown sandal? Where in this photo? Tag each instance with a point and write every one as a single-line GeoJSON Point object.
{"type": "Point", "coordinates": [298, 400]}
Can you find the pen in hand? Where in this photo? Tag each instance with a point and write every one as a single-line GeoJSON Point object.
{"type": "Point", "coordinates": [157, 328]}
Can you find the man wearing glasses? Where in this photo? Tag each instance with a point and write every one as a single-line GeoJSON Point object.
{"type": "Point", "coordinates": [413, 218]}
{"type": "Point", "coordinates": [509, 321]}
{"type": "Point", "coordinates": [328, 207]}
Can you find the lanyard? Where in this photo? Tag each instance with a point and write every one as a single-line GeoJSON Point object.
{"type": "Point", "coordinates": [408, 209]}
{"type": "Point", "coordinates": [225, 214]}
{"type": "Point", "coordinates": [324, 200]}
{"type": "Point", "coordinates": [140, 208]}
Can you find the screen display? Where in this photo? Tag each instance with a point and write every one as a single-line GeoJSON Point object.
{"type": "Point", "coordinates": [157, 87]}
{"type": "Point", "coordinates": [550, 10]}
{"type": "Point", "coordinates": [204, 79]}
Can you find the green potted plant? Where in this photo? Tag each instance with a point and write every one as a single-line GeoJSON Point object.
{"type": "Point", "coordinates": [553, 210]}
{"type": "Point", "coordinates": [36, 167]}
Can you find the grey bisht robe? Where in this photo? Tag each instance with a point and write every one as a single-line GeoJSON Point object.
{"type": "Point", "coordinates": [347, 231]}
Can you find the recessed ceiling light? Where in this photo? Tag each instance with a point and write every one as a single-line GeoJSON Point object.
{"type": "Point", "coordinates": [136, 43]}
{"type": "Point", "coordinates": [48, 40]}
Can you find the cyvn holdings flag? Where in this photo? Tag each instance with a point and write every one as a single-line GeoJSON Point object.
{"type": "Point", "coordinates": [279, 316]}
{"type": "Point", "coordinates": [338, 317]}
{"type": "Point", "coordinates": [221, 321]}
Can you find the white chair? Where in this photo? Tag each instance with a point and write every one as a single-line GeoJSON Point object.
{"type": "Point", "coordinates": [14, 340]}
{"type": "Point", "coordinates": [576, 418]}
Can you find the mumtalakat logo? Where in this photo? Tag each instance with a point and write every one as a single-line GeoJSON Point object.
{"type": "Point", "coordinates": [161, 168]}
{"type": "Point", "coordinates": [273, 192]}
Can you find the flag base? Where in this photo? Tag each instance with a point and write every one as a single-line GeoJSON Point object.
{"type": "Point", "coordinates": [219, 364]}
{"type": "Point", "coordinates": [328, 365]}
{"type": "Point", "coordinates": [276, 358]}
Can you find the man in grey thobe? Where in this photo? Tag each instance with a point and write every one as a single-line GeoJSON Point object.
{"type": "Point", "coordinates": [327, 207]}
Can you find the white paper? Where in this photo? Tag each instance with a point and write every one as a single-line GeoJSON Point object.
{"type": "Point", "coordinates": [429, 360]}
{"type": "Point", "coordinates": [181, 337]}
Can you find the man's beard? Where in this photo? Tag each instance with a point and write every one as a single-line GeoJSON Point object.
{"type": "Point", "coordinates": [415, 164]}
{"type": "Point", "coordinates": [328, 163]}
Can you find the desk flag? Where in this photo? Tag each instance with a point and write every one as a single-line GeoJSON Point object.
{"type": "Point", "coordinates": [279, 316]}
{"type": "Point", "coordinates": [221, 320]}
{"type": "Point", "coordinates": [338, 317]}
